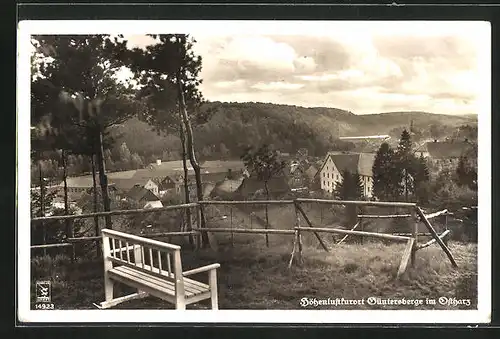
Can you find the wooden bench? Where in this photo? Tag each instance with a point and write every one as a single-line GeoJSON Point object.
{"type": "Point", "coordinates": [154, 268]}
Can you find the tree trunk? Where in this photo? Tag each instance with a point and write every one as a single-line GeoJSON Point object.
{"type": "Point", "coordinates": [94, 185]}
{"type": "Point", "coordinates": [186, 185]}
{"type": "Point", "coordinates": [69, 233]}
{"type": "Point", "coordinates": [192, 155]}
{"type": "Point", "coordinates": [267, 213]}
{"type": "Point", "coordinates": [103, 180]}
{"type": "Point", "coordinates": [42, 209]}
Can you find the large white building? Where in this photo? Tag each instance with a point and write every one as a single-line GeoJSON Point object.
{"type": "Point", "coordinates": [336, 162]}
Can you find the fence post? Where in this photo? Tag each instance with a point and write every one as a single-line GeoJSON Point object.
{"type": "Point", "coordinates": [414, 218]}
{"type": "Point", "coordinates": [298, 234]}
{"type": "Point", "coordinates": [200, 224]}
{"type": "Point", "coordinates": [72, 235]}
{"type": "Point", "coordinates": [360, 220]}
{"type": "Point", "coordinates": [232, 234]}
{"type": "Point", "coordinates": [445, 239]}
{"type": "Point", "coordinates": [44, 237]}
{"type": "Point", "coordinates": [189, 217]}
{"type": "Point", "coordinates": [267, 224]}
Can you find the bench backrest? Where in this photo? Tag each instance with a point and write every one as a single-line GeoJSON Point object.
{"type": "Point", "coordinates": [147, 255]}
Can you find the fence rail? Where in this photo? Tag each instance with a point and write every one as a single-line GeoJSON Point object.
{"type": "Point", "coordinates": [416, 214]}
{"type": "Point", "coordinates": [117, 212]}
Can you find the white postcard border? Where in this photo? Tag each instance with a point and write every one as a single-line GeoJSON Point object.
{"type": "Point", "coordinates": [481, 30]}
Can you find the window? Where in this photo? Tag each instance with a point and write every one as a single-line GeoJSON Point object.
{"type": "Point", "coordinates": [328, 175]}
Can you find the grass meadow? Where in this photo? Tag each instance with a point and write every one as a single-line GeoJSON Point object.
{"type": "Point", "coordinates": [253, 276]}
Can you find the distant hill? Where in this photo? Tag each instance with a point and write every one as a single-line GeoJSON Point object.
{"type": "Point", "coordinates": [235, 125]}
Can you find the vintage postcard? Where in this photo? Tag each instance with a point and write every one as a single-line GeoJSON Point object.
{"type": "Point", "coordinates": [254, 172]}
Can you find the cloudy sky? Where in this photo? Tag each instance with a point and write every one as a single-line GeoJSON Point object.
{"type": "Point", "coordinates": [364, 71]}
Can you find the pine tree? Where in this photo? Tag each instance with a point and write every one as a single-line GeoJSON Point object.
{"type": "Point", "coordinates": [341, 191]}
{"type": "Point", "coordinates": [422, 171]}
{"type": "Point", "coordinates": [357, 187]}
{"type": "Point", "coordinates": [125, 157]}
{"type": "Point", "coordinates": [224, 151]}
{"type": "Point", "coordinates": [422, 180]}
{"type": "Point", "coordinates": [83, 75]}
{"type": "Point", "coordinates": [136, 161]}
{"type": "Point", "coordinates": [405, 162]}
{"type": "Point", "coordinates": [462, 171]}
{"type": "Point", "coordinates": [350, 187]}
{"type": "Point", "coordinates": [386, 176]}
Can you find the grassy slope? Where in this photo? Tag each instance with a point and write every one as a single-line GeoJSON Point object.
{"type": "Point", "coordinates": [255, 277]}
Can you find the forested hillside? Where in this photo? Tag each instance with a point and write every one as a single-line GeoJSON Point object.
{"type": "Point", "coordinates": [232, 126]}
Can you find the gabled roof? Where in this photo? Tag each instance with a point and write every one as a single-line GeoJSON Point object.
{"type": "Point", "coordinates": [222, 165]}
{"type": "Point", "coordinates": [139, 193]}
{"type": "Point", "coordinates": [352, 162]}
{"type": "Point", "coordinates": [228, 186]}
{"type": "Point", "coordinates": [448, 149]}
{"type": "Point", "coordinates": [251, 184]}
{"type": "Point", "coordinates": [311, 171]}
{"type": "Point", "coordinates": [166, 183]}
{"type": "Point", "coordinates": [127, 184]}
{"type": "Point", "coordinates": [84, 181]}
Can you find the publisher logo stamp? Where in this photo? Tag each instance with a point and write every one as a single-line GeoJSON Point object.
{"type": "Point", "coordinates": [43, 291]}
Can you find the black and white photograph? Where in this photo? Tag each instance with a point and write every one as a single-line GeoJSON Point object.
{"type": "Point", "coordinates": [201, 171]}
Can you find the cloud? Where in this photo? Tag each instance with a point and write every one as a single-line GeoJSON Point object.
{"type": "Point", "coordinates": [139, 41]}
{"type": "Point", "coordinates": [277, 86]}
{"type": "Point", "coordinates": [361, 70]}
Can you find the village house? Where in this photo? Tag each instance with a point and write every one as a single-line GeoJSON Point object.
{"type": "Point", "coordinates": [422, 151]}
{"type": "Point", "coordinates": [77, 186]}
{"type": "Point", "coordinates": [144, 196]}
{"type": "Point", "coordinates": [225, 189]}
{"type": "Point", "coordinates": [336, 162]}
{"type": "Point", "coordinates": [313, 180]}
{"type": "Point", "coordinates": [167, 186]}
{"type": "Point", "coordinates": [252, 188]}
{"type": "Point", "coordinates": [449, 152]}
{"type": "Point", "coordinates": [295, 173]}
{"type": "Point", "coordinates": [161, 178]}
{"type": "Point", "coordinates": [55, 189]}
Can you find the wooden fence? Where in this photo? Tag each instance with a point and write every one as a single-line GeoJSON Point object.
{"type": "Point", "coordinates": [411, 238]}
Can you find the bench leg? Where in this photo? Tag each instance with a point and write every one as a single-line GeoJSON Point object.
{"type": "Point", "coordinates": [212, 277]}
{"type": "Point", "coordinates": [180, 305]}
{"type": "Point", "coordinates": [113, 302]}
{"type": "Point", "coordinates": [108, 288]}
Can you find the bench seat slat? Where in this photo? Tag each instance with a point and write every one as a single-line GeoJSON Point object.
{"type": "Point", "coordinates": [156, 272]}
{"type": "Point", "coordinates": [193, 284]}
{"type": "Point", "coordinates": [165, 286]}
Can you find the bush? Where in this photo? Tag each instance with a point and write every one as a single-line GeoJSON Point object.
{"type": "Point", "coordinates": [444, 192]}
{"type": "Point", "coordinates": [447, 194]}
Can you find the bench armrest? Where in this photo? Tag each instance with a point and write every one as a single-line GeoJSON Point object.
{"type": "Point", "coordinates": [201, 269]}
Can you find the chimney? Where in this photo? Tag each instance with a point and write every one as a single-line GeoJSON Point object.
{"type": "Point", "coordinates": [158, 162]}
